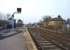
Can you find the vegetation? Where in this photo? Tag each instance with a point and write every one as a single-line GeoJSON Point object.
{"type": "Point", "coordinates": [19, 23]}
{"type": "Point", "coordinates": [46, 18]}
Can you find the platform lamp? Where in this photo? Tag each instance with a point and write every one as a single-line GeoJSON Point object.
{"type": "Point", "coordinates": [18, 11]}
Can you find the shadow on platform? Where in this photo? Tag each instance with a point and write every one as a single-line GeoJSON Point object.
{"type": "Point", "coordinates": [7, 36]}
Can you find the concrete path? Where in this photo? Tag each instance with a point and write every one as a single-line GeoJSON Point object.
{"type": "Point", "coordinates": [15, 42]}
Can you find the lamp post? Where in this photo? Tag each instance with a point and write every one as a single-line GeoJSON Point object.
{"type": "Point", "coordinates": [11, 19]}
{"type": "Point", "coordinates": [18, 11]}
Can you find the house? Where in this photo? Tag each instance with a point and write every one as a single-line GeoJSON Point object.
{"type": "Point", "coordinates": [55, 23]}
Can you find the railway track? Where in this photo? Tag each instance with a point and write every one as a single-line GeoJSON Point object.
{"type": "Point", "coordinates": [41, 42]}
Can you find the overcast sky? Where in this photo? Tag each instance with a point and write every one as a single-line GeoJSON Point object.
{"type": "Point", "coordinates": [34, 10]}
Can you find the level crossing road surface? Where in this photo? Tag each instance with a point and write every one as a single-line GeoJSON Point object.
{"type": "Point", "coordinates": [14, 42]}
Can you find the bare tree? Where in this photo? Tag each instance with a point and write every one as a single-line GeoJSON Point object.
{"type": "Point", "coordinates": [46, 18]}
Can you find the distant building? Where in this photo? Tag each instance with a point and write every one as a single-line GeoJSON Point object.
{"type": "Point", "coordinates": [68, 21]}
{"type": "Point", "coordinates": [55, 23]}
{"type": "Point", "coordinates": [67, 25]}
